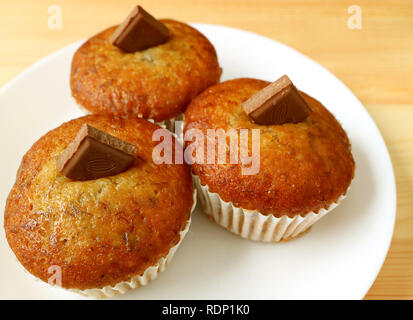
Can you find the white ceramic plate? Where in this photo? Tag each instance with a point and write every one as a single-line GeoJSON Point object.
{"type": "Point", "coordinates": [339, 258]}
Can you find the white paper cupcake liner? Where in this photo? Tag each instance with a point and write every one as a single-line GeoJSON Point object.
{"type": "Point", "coordinates": [137, 281]}
{"type": "Point", "coordinates": [253, 225]}
{"type": "Point", "coordinates": [141, 280]}
{"type": "Point", "coordinates": [168, 124]}
{"type": "Point", "coordinates": [122, 287]}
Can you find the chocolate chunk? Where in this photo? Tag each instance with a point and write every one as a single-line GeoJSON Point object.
{"type": "Point", "coordinates": [95, 154]}
{"type": "Point", "coordinates": [278, 103]}
{"type": "Point", "coordinates": [139, 31]}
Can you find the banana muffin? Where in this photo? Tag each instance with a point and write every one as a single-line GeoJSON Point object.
{"type": "Point", "coordinates": [305, 168]}
{"type": "Point", "coordinates": [106, 235]}
{"type": "Point", "coordinates": [156, 83]}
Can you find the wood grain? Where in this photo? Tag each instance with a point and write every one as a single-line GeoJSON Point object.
{"type": "Point", "coordinates": [376, 63]}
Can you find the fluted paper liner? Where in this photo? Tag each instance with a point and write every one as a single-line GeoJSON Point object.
{"type": "Point", "coordinates": [168, 124]}
{"type": "Point", "coordinates": [253, 225]}
{"type": "Point", "coordinates": [141, 280]}
{"type": "Point", "coordinates": [137, 281]}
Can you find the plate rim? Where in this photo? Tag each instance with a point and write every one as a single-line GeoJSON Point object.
{"type": "Point", "coordinates": [387, 158]}
{"type": "Point", "coordinates": [389, 163]}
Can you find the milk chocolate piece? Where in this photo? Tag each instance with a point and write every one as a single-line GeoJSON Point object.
{"type": "Point", "coordinates": [278, 103]}
{"type": "Point", "coordinates": [139, 31]}
{"type": "Point", "coordinates": [95, 154]}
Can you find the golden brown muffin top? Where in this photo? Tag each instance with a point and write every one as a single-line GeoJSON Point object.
{"type": "Point", "coordinates": [100, 232]}
{"type": "Point", "coordinates": [156, 83]}
{"type": "Point", "coordinates": [303, 167]}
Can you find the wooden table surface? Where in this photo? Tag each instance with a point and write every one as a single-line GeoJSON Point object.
{"type": "Point", "coordinates": [376, 63]}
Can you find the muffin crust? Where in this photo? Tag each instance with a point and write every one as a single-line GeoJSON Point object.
{"type": "Point", "coordinates": [303, 167]}
{"type": "Point", "coordinates": [156, 83]}
{"type": "Point", "coordinates": [100, 232]}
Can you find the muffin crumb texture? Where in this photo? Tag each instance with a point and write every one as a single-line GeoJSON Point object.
{"type": "Point", "coordinates": [304, 166]}
{"type": "Point", "coordinates": [100, 232]}
{"type": "Point", "coordinates": [156, 83]}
